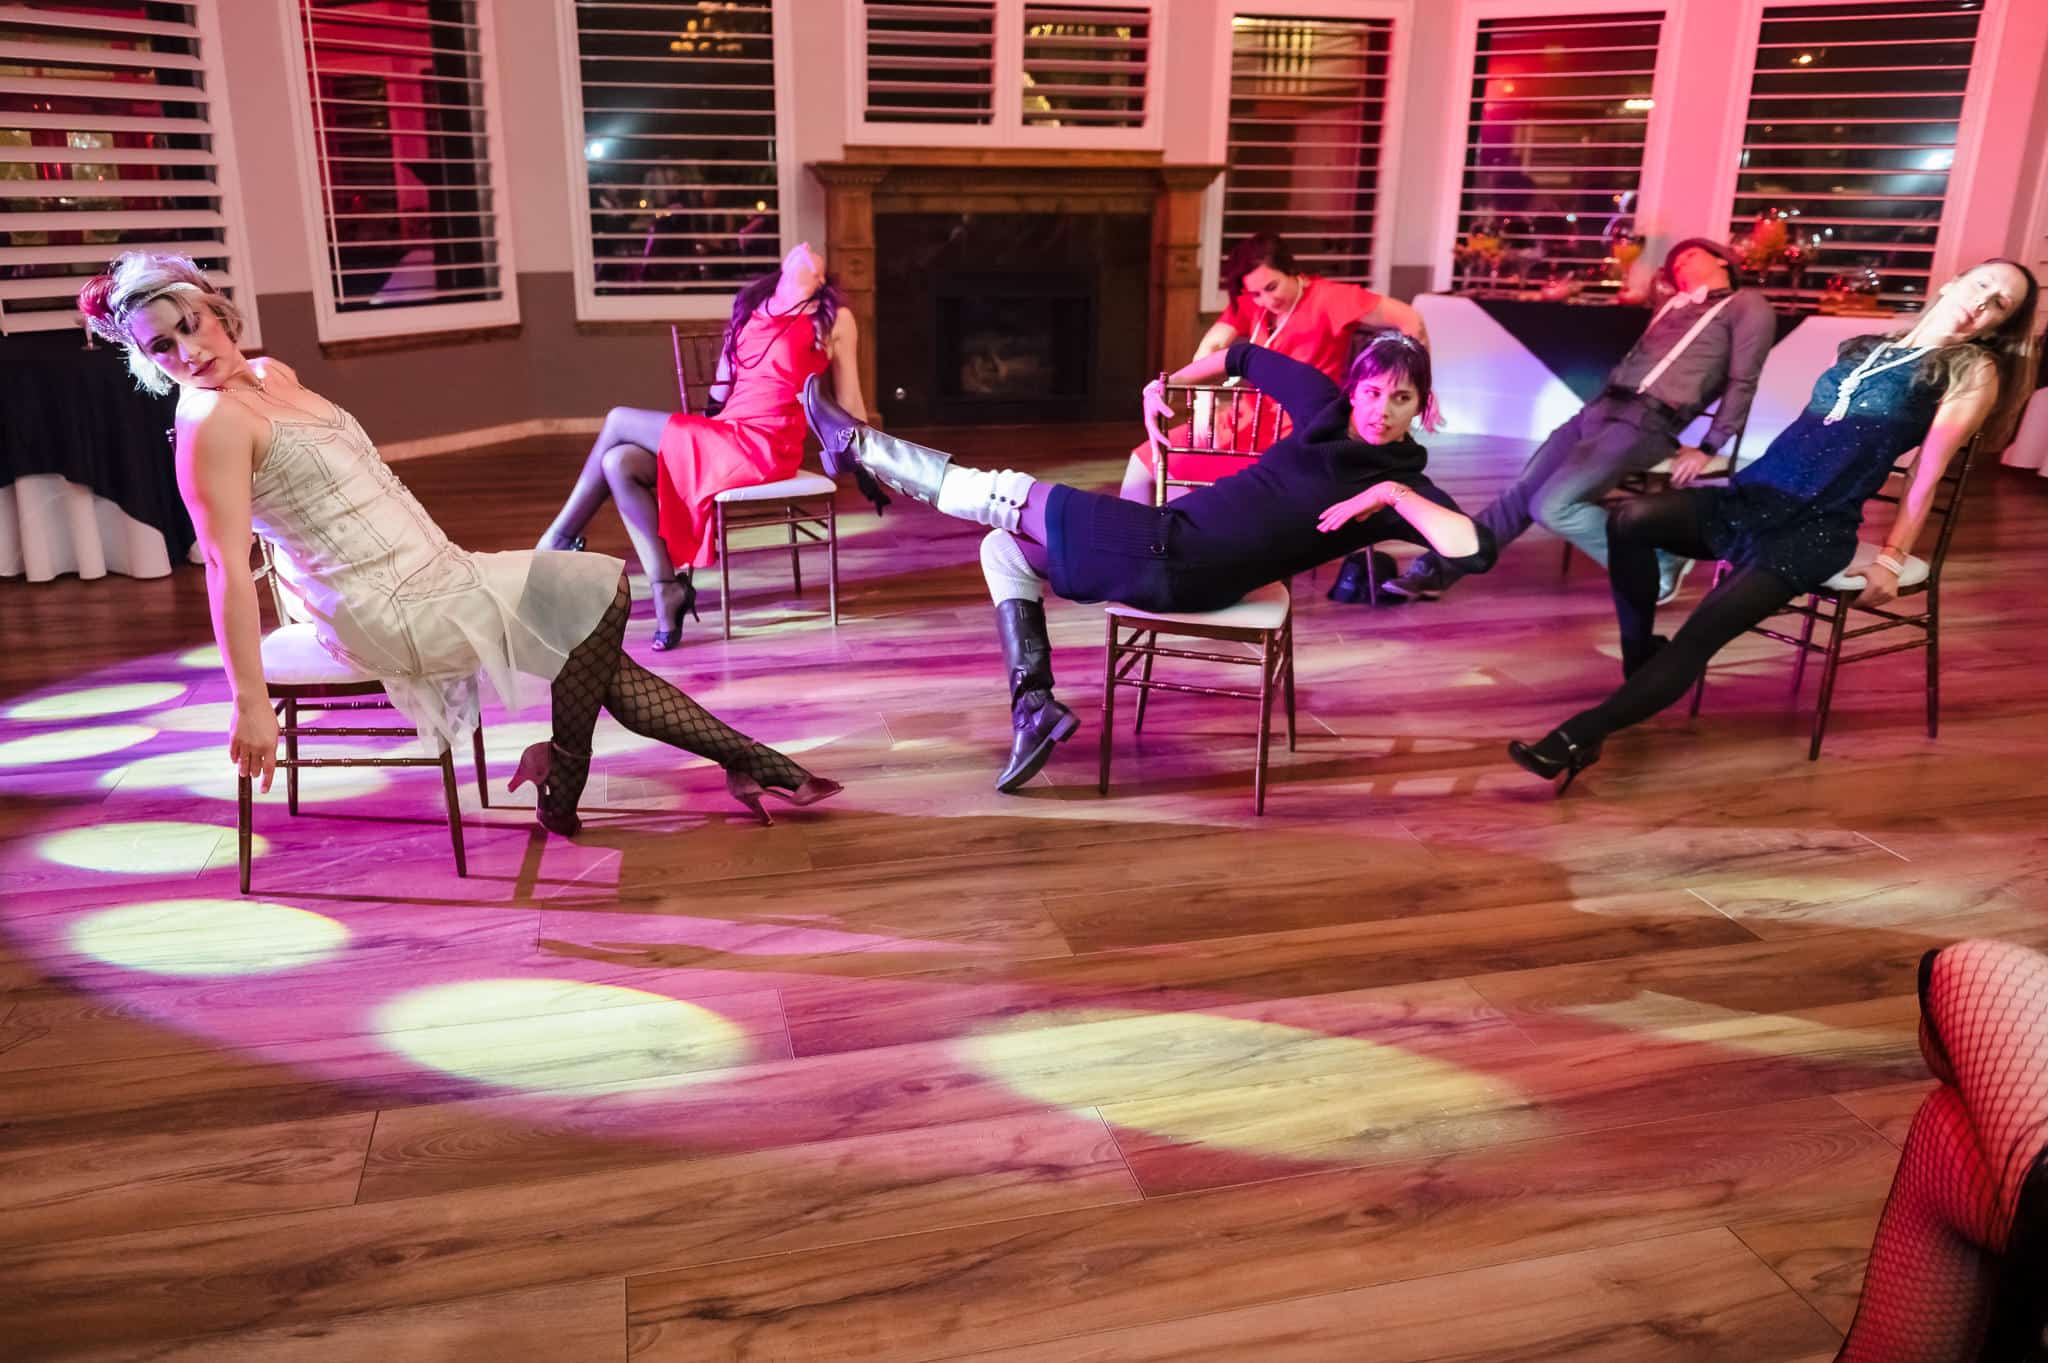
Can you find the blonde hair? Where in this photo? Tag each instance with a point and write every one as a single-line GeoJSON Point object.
{"type": "Point", "coordinates": [134, 281]}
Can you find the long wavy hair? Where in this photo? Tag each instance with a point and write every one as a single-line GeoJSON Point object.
{"type": "Point", "coordinates": [829, 297]}
{"type": "Point", "coordinates": [1260, 248]}
{"type": "Point", "coordinates": [132, 282]}
{"type": "Point", "coordinates": [2010, 346]}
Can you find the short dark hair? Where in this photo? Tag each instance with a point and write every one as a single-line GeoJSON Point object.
{"type": "Point", "coordinates": [1260, 248]}
{"type": "Point", "coordinates": [1384, 350]}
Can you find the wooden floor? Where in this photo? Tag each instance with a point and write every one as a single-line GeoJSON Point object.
{"type": "Point", "coordinates": [1423, 1065]}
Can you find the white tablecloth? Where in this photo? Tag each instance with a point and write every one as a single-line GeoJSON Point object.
{"type": "Point", "coordinates": [50, 526]}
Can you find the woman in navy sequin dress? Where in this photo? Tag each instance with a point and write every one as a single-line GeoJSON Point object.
{"type": "Point", "coordinates": [1788, 522]}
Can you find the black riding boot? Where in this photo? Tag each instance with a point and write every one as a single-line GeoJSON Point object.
{"type": "Point", "coordinates": [1039, 721]}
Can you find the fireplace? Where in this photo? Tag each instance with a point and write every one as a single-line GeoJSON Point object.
{"type": "Point", "coordinates": [1017, 346]}
{"type": "Point", "coordinates": [1010, 285]}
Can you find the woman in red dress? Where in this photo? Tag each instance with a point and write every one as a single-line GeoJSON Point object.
{"type": "Point", "coordinates": [1302, 316]}
{"type": "Point", "coordinates": [665, 468]}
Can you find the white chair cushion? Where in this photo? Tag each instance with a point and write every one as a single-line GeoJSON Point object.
{"type": "Point", "coordinates": [292, 656]}
{"type": "Point", "coordinates": [1851, 578]}
{"type": "Point", "coordinates": [783, 490]}
{"type": "Point", "coordinates": [1266, 608]}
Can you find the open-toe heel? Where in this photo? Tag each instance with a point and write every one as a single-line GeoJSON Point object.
{"type": "Point", "coordinates": [667, 636]}
{"type": "Point", "coordinates": [1531, 758]}
{"type": "Point", "coordinates": [749, 792]}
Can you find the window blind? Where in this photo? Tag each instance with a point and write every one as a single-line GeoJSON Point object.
{"type": "Point", "coordinates": [1086, 66]}
{"type": "Point", "coordinates": [932, 61]}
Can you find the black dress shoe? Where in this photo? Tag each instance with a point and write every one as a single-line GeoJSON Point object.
{"type": "Point", "coordinates": [1360, 575]}
{"type": "Point", "coordinates": [1424, 581]}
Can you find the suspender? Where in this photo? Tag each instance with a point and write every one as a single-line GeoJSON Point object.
{"type": "Point", "coordinates": [1657, 372]}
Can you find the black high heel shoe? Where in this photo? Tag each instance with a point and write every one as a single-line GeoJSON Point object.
{"type": "Point", "coordinates": [667, 636]}
{"type": "Point", "coordinates": [574, 546]}
{"type": "Point", "coordinates": [1531, 758]}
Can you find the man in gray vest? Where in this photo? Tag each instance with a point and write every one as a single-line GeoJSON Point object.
{"type": "Point", "coordinates": [1710, 338]}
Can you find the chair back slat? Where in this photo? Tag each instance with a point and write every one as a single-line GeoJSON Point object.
{"type": "Point", "coordinates": [696, 356]}
{"type": "Point", "coordinates": [266, 573]}
{"type": "Point", "coordinates": [1217, 413]}
{"type": "Point", "coordinates": [1953, 480]}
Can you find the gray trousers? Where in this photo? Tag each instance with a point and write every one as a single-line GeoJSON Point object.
{"type": "Point", "coordinates": [1579, 463]}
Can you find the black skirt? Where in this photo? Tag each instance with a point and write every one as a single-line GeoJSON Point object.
{"type": "Point", "coordinates": [1103, 548]}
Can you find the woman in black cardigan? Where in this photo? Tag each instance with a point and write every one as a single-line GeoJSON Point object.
{"type": "Point", "coordinates": [1347, 475]}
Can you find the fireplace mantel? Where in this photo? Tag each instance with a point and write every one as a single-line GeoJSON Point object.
{"type": "Point", "coordinates": [874, 180]}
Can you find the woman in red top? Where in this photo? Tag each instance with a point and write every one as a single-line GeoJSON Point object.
{"type": "Point", "coordinates": [1302, 316]}
{"type": "Point", "coordinates": [665, 468]}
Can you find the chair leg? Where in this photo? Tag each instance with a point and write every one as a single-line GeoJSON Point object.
{"type": "Point", "coordinates": [1805, 647]}
{"type": "Point", "coordinates": [1933, 628]}
{"type": "Point", "coordinates": [1108, 707]}
{"type": "Point", "coordinates": [1266, 670]}
{"type": "Point", "coordinates": [291, 755]}
{"type": "Point", "coordinates": [796, 560]}
{"type": "Point", "coordinates": [724, 571]}
{"type": "Point", "coordinates": [1827, 677]}
{"type": "Point", "coordinates": [242, 829]}
{"type": "Point", "coordinates": [1372, 580]}
{"type": "Point", "coordinates": [483, 785]}
{"type": "Point", "coordinates": [1151, 640]}
{"type": "Point", "coordinates": [1287, 663]}
{"type": "Point", "coordinates": [1699, 688]}
{"type": "Point", "coordinates": [1564, 564]}
{"type": "Point", "coordinates": [832, 561]}
{"type": "Point", "coordinates": [454, 809]}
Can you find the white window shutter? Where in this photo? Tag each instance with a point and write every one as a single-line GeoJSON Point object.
{"type": "Point", "coordinates": [930, 61]}
{"type": "Point", "coordinates": [1852, 128]}
{"type": "Point", "coordinates": [1308, 107]}
{"type": "Point", "coordinates": [1086, 66]}
{"type": "Point", "coordinates": [1560, 110]}
{"type": "Point", "coordinates": [400, 132]}
{"type": "Point", "coordinates": [115, 140]}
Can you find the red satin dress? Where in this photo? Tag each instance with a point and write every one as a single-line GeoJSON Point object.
{"type": "Point", "coordinates": [757, 438]}
{"type": "Point", "coordinates": [1317, 331]}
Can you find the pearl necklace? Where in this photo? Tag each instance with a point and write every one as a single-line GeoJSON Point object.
{"type": "Point", "coordinates": [1869, 368]}
{"type": "Point", "coordinates": [1300, 290]}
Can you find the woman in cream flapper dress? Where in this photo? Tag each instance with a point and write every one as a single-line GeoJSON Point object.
{"type": "Point", "coordinates": [386, 591]}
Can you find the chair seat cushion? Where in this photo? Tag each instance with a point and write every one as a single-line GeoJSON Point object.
{"type": "Point", "coordinates": [782, 490]}
{"type": "Point", "coordinates": [1266, 608]}
{"type": "Point", "coordinates": [292, 656]}
{"type": "Point", "coordinates": [1851, 578]}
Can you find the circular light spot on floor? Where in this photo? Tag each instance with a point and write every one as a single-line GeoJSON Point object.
{"type": "Point", "coordinates": [206, 655]}
{"type": "Point", "coordinates": [209, 773]}
{"type": "Point", "coordinates": [214, 718]}
{"type": "Point", "coordinates": [205, 937]}
{"type": "Point", "coordinates": [96, 700]}
{"type": "Point", "coordinates": [1254, 1087]}
{"type": "Point", "coordinates": [557, 1035]}
{"type": "Point", "coordinates": [144, 847]}
{"type": "Point", "coordinates": [72, 745]}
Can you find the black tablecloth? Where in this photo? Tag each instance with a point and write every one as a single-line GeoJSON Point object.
{"type": "Point", "coordinates": [1580, 342]}
{"type": "Point", "coordinates": [77, 413]}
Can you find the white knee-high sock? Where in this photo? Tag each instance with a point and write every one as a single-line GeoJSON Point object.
{"type": "Point", "coordinates": [985, 497]}
{"type": "Point", "coordinates": [1008, 572]}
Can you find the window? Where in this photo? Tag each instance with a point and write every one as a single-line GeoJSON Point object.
{"type": "Point", "coordinates": [398, 122]}
{"type": "Point", "coordinates": [1308, 105]}
{"type": "Point", "coordinates": [112, 135]}
{"type": "Point", "coordinates": [931, 62]}
{"type": "Point", "coordinates": [1085, 67]}
{"type": "Point", "coordinates": [681, 157]}
{"type": "Point", "coordinates": [1846, 151]}
{"type": "Point", "coordinates": [1083, 73]}
{"type": "Point", "coordinates": [1560, 110]}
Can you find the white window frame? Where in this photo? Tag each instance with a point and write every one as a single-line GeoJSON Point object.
{"type": "Point", "coordinates": [332, 324]}
{"type": "Point", "coordinates": [1962, 174]}
{"type": "Point", "coordinates": [1007, 128]}
{"type": "Point", "coordinates": [1392, 128]}
{"type": "Point", "coordinates": [592, 306]}
{"type": "Point", "coordinates": [235, 229]}
{"type": "Point", "coordinates": [1458, 107]}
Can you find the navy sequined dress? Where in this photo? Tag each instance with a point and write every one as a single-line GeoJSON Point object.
{"type": "Point", "coordinates": [1795, 510]}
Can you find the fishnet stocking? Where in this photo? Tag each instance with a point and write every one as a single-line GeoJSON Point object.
{"type": "Point", "coordinates": [1933, 1279]}
{"type": "Point", "coordinates": [599, 676]}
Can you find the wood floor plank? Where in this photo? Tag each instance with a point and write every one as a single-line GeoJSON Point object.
{"type": "Point", "coordinates": [1820, 1252]}
{"type": "Point", "coordinates": [985, 1287]}
{"type": "Point", "coordinates": [80, 1188]}
{"type": "Point", "coordinates": [1691, 1298]}
{"type": "Point", "coordinates": [582, 1322]}
{"type": "Point", "coordinates": [269, 1271]}
{"type": "Point", "coordinates": [1889, 1108]}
